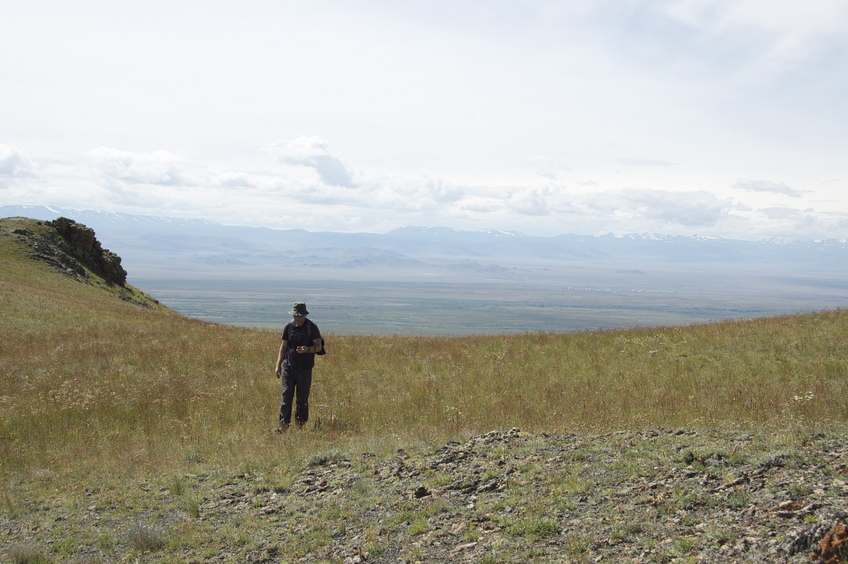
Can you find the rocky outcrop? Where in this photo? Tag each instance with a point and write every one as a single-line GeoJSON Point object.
{"type": "Point", "coordinates": [79, 242]}
{"type": "Point", "coordinates": [69, 247]}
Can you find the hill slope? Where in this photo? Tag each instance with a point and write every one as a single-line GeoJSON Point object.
{"type": "Point", "coordinates": [30, 250]}
{"type": "Point", "coordinates": [131, 433]}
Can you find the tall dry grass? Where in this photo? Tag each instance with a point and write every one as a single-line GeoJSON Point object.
{"type": "Point", "coordinates": [93, 386]}
{"type": "Point", "coordinates": [776, 371]}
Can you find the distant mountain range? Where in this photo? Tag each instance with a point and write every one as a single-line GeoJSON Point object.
{"type": "Point", "coordinates": [153, 246]}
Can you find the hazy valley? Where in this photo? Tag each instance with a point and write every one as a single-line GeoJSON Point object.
{"type": "Point", "coordinates": [442, 281]}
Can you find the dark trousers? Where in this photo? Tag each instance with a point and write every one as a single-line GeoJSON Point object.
{"type": "Point", "coordinates": [296, 384]}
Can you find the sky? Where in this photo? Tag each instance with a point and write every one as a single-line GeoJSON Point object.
{"type": "Point", "coordinates": [719, 118]}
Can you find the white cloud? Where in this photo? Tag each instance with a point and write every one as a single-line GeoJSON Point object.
{"type": "Point", "coordinates": [801, 224]}
{"type": "Point", "coordinates": [424, 192]}
{"type": "Point", "coordinates": [547, 167]}
{"type": "Point", "coordinates": [644, 162]}
{"type": "Point", "coordinates": [530, 201]}
{"type": "Point", "coordinates": [779, 213]}
{"type": "Point", "coordinates": [115, 166]}
{"type": "Point", "coordinates": [13, 164]}
{"type": "Point", "coordinates": [161, 183]}
{"type": "Point", "coordinates": [233, 179]}
{"type": "Point", "coordinates": [767, 186]}
{"type": "Point", "coordinates": [666, 210]}
{"type": "Point", "coordinates": [314, 153]}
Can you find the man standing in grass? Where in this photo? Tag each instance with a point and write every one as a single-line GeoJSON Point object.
{"type": "Point", "coordinates": [301, 341]}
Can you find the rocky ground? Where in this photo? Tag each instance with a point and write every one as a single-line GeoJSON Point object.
{"type": "Point", "coordinates": [506, 496]}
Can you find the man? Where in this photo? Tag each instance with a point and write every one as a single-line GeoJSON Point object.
{"type": "Point", "coordinates": [301, 339]}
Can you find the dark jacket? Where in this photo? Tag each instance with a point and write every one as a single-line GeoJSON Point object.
{"type": "Point", "coordinates": [304, 335]}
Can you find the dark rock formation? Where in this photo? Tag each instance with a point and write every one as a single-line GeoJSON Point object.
{"type": "Point", "coordinates": [79, 242]}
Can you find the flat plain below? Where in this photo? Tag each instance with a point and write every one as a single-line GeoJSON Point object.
{"type": "Point", "coordinates": [582, 297]}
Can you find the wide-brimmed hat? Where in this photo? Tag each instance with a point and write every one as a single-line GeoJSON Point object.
{"type": "Point", "coordinates": [299, 308]}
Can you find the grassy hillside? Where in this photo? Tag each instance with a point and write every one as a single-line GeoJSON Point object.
{"type": "Point", "coordinates": [91, 382]}
{"type": "Point", "coordinates": [101, 385]}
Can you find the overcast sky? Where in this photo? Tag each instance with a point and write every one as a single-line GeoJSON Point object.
{"type": "Point", "coordinates": [710, 117]}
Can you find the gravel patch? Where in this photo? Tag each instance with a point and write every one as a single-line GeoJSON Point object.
{"type": "Point", "coordinates": [505, 496]}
